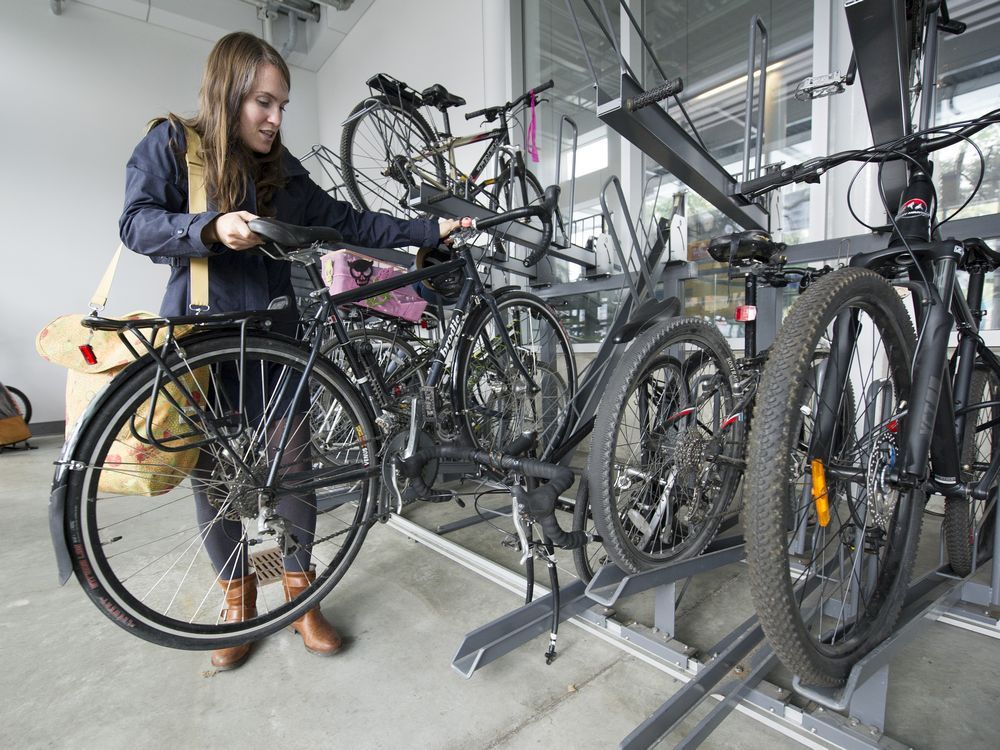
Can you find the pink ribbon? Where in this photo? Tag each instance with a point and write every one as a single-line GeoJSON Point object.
{"type": "Point", "coordinates": [532, 145]}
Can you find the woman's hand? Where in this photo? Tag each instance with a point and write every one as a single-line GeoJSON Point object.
{"type": "Point", "coordinates": [232, 231]}
{"type": "Point", "coordinates": [447, 226]}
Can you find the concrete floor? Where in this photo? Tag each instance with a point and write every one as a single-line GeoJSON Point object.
{"type": "Point", "coordinates": [70, 678]}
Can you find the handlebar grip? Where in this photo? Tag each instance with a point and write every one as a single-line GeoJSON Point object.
{"type": "Point", "coordinates": [477, 113]}
{"type": "Point", "coordinates": [766, 182]}
{"type": "Point", "coordinates": [549, 201]}
{"type": "Point", "coordinates": [655, 94]}
{"type": "Point", "coordinates": [544, 87]}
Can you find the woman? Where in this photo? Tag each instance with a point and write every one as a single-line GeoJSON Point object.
{"type": "Point", "coordinates": [248, 173]}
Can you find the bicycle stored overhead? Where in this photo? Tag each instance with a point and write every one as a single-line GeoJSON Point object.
{"type": "Point", "coordinates": [387, 147]}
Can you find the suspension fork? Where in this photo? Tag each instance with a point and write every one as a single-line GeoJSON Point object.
{"type": "Point", "coordinates": [845, 332]}
{"type": "Point", "coordinates": [930, 409]}
{"type": "Point", "coordinates": [969, 313]}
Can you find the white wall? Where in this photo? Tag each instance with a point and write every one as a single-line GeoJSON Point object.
{"type": "Point", "coordinates": [77, 90]}
{"type": "Point", "coordinates": [463, 45]}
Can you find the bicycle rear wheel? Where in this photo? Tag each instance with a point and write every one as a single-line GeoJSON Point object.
{"type": "Point", "coordinates": [493, 399]}
{"type": "Point", "coordinates": [966, 521]}
{"type": "Point", "coordinates": [380, 142]}
{"type": "Point", "coordinates": [828, 573]}
{"type": "Point", "coordinates": [665, 458]}
{"type": "Point", "coordinates": [144, 560]}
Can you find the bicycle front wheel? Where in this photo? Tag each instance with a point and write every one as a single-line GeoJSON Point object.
{"type": "Point", "coordinates": [829, 565]}
{"type": "Point", "coordinates": [666, 451]}
{"type": "Point", "coordinates": [380, 146]}
{"type": "Point", "coordinates": [158, 563]}
{"type": "Point", "coordinates": [495, 401]}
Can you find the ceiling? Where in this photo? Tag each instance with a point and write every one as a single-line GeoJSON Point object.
{"type": "Point", "coordinates": [319, 28]}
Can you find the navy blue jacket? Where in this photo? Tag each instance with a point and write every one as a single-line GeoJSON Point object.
{"type": "Point", "coordinates": [156, 222]}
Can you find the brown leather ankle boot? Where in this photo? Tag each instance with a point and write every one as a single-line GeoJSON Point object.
{"type": "Point", "coordinates": [241, 604]}
{"type": "Point", "coordinates": [317, 634]}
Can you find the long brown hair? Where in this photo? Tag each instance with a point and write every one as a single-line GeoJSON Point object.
{"type": "Point", "coordinates": [229, 75]}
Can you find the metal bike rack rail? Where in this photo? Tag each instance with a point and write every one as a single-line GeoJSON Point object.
{"type": "Point", "coordinates": [660, 136]}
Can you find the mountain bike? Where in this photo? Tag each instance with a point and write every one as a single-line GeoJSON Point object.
{"type": "Point", "coordinates": [669, 442]}
{"type": "Point", "coordinates": [272, 427]}
{"type": "Point", "coordinates": [839, 470]}
{"type": "Point", "coordinates": [387, 146]}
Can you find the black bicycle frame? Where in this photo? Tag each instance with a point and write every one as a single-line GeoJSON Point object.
{"type": "Point", "coordinates": [937, 403]}
{"type": "Point", "coordinates": [472, 289]}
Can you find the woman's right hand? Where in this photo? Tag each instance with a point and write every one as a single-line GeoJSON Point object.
{"type": "Point", "coordinates": [232, 231]}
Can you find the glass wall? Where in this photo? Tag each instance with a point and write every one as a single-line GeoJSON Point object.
{"type": "Point", "coordinates": [706, 43]}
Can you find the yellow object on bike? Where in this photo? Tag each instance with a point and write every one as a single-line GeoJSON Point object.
{"type": "Point", "coordinates": [819, 492]}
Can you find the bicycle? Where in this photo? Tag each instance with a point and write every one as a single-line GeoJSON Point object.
{"type": "Point", "coordinates": [279, 426]}
{"type": "Point", "coordinates": [669, 443]}
{"type": "Point", "coordinates": [387, 145]}
{"type": "Point", "coordinates": [836, 484]}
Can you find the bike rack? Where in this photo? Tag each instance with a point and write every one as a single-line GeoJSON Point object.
{"type": "Point", "coordinates": [736, 668]}
{"type": "Point", "coordinates": [852, 716]}
{"type": "Point", "coordinates": [656, 133]}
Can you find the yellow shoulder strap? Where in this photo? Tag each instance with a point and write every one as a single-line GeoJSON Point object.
{"type": "Point", "coordinates": [197, 203]}
{"type": "Point", "coordinates": [100, 297]}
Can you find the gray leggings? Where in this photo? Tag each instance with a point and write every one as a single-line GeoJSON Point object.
{"type": "Point", "coordinates": [225, 540]}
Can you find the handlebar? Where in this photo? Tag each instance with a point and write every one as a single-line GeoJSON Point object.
{"type": "Point", "coordinates": [539, 503]}
{"type": "Point", "coordinates": [491, 112]}
{"type": "Point", "coordinates": [922, 142]}
{"type": "Point", "coordinates": [543, 211]}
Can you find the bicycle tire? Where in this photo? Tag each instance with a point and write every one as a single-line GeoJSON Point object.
{"type": "Point", "coordinates": [965, 518]}
{"type": "Point", "coordinates": [369, 146]}
{"type": "Point", "coordinates": [21, 402]}
{"type": "Point", "coordinates": [142, 560]}
{"type": "Point", "coordinates": [664, 461]}
{"type": "Point", "coordinates": [492, 402]}
{"type": "Point", "coordinates": [589, 558]}
{"type": "Point", "coordinates": [873, 528]}
{"type": "Point", "coordinates": [504, 199]}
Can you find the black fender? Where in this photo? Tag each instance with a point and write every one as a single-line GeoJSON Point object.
{"type": "Point", "coordinates": [69, 461]}
{"type": "Point", "coordinates": [648, 313]}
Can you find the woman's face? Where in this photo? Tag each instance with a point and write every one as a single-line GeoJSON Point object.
{"type": "Point", "coordinates": [260, 115]}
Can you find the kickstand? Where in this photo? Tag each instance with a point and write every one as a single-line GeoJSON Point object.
{"type": "Point", "coordinates": [550, 561]}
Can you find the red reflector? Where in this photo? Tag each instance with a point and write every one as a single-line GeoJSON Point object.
{"type": "Point", "coordinates": [746, 313]}
{"type": "Point", "coordinates": [423, 323]}
{"type": "Point", "coordinates": [893, 425]}
{"type": "Point", "coordinates": [88, 354]}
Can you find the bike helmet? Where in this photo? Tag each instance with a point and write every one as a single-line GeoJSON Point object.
{"type": "Point", "coordinates": [447, 285]}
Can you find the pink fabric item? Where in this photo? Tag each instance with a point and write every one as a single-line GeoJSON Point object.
{"type": "Point", "coordinates": [344, 270]}
{"type": "Point", "coordinates": [532, 143]}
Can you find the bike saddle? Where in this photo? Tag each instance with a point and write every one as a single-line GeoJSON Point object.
{"type": "Point", "coordinates": [438, 96]}
{"type": "Point", "coordinates": [978, 253]}
{"type": "Point", "coordinates": [741, 248]}
{"type": "Point", "coordinates": [290, 236]}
